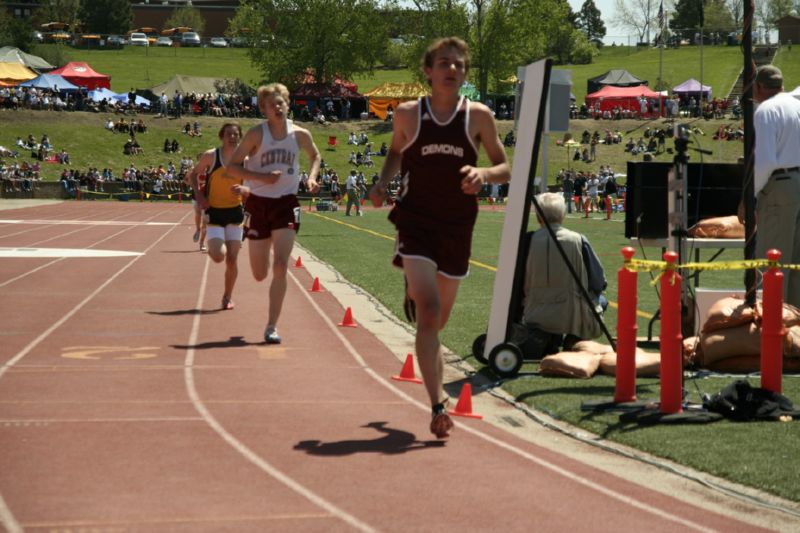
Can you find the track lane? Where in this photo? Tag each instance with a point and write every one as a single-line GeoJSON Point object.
{"type": "Point", "coordinates": [137, 455]}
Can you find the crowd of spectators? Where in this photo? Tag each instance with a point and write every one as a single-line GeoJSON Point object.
{"type": "Point", "coordinates": [675, 107]}
{"type": "Point", "coordinates": [156, 180]}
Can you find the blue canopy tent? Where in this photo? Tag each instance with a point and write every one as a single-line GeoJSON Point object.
{"type": "Point", "coordinates": [140, 100]}
{"type": "Point", "coordinates": [102, 93]}
{"type": "Point", "coordinates": [54, 82]}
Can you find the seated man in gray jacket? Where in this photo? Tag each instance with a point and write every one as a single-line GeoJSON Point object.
{"type": "Point", "coordinates": [555, 312]}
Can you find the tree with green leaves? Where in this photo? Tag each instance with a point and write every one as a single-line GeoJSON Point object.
{"type": "Point", "coordinates": [187, 16]}
{"type": "Point", "coordinates": [65, 11]}
{"type": "Point", "coordinates": [106, 16]}
{"type": "Point", "coordinates": [718, 17]}
{"type": "Point", "coordinates": [687, 18]}
{"type": "Point", "coordinates": [590, 22]}
{"type": "Point", "coordinates": [15, 32]}
{"type": "Point", "coordinates": [327, 38]}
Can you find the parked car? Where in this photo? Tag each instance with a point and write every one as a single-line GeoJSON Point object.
{"type": "Point", "coordinates": [138, 39]}
{"type": "Point", "coordinates": [218, 42]}
{"type": "Point", "coordinates": [190, 38]}
{"type": "Point", "coordinates": [163, 41]}
{"type": "Point", "coordinates": [239, 41]}
{"type": "Point", "coordinates": [115, 40]}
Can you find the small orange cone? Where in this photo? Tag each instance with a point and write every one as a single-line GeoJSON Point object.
{"type": "Point", "coordinates": [464, 405]}
{"type": "Point", "coordinates": [298, 263]}
{"type": "Point", "coordinates": [348, 321]}
{"type": "Point", "coordinates": [407, 373]}
{"type": "Point", "coordinates": [315, 287]}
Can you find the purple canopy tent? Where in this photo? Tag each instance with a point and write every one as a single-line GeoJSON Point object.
{"type": "Point", "coordinates": [692, 87]}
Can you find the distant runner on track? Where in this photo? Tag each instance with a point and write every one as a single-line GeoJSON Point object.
{"type": "Point", "coordinates": [222, 201]}
{"type": "Point", "coordinates": [434, 145]}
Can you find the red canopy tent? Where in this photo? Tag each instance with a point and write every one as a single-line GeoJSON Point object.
{"type": "Point", "coordinates": [83, 75]}
{"type": "Point", "coordinates": [610, 97]}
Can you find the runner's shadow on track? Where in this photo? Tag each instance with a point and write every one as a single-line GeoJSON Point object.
{"type": "Point", "coordinates": [394, 441]}
{"type": "Point", "coordinates": [233, 342]}
{"type": "Point", "coordinates": [181, 312]}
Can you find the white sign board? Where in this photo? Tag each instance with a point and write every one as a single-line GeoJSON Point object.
{"type": "Point", "coordinates": [529, 131]}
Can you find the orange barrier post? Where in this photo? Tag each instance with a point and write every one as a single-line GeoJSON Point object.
{"type": "Point", "coordinates": [608, 208]}
{"type": "Point", "coordinates": [671, 338]}
{"type": "Point", "coordinates": [626, 330]}
{"type": "Point", "coordinates": [78, 193]}
{"type": "Point", "coordinates": [464, 405]}
{"type": "Point", "coordinates": [141, 196]}
{"type": "Point", "coordinates": [407, 372]}
{"type": "Point", "coordinates": [772, 331]}
{"type": "Point", "coordinates": [586, 205]}
{"type": "Point", "coordinates": [577, 200]}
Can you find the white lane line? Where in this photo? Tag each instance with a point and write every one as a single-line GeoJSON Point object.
{"type": "Point", "coordinates": [6, 517]}
{"type": "Point", "coordinates": [44, 222]}
{"type": "Point", "coordinates": [239, 446]}
{"type": "Point", "coordinates": [61, 252]}
{"type": "Point", "coordinates": [46, 333]}
{"type": "Point", "coordinates": [45, 265]}
{"type": "Point", "coordinates": [478, 433]}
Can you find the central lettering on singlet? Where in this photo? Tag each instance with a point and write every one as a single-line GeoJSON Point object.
{"type": "Point", "coordinates": [279, 156]}
{"type": "Point", "coordinates": [446, 149]}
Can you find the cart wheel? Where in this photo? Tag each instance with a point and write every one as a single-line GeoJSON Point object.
{"type": "Point", "coordinates": [505, 359]}
{"type": "Point", "coordinates": [478, 345]}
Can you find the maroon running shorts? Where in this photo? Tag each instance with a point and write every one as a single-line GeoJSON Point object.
{"type": "Point", "coordinates": [264, 215]}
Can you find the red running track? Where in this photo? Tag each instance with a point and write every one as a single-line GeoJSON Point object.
{"type": "Point", "coordinates": [128, 402]}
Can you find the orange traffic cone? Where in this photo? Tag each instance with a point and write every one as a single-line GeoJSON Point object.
{"type": "Point", "coordinates": [464, 405]}
{"type": "Point", "coordinates": [298, 263]}
{"type": "Point", "coordinates": [407, 373]}
{"type": "Point", "coordinates": [315, 287]}
{"type": "Point", "coordinates": [348, 321]}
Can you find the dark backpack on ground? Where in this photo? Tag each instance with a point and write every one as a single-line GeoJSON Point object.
{"type": "Point", "coordinates": [742, 402]}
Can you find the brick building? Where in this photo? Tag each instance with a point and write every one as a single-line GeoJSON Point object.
{"type": "Point", "coordinates": [789, 29]}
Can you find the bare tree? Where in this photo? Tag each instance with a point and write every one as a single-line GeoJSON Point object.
{"type": "Point", "coordinates": [637, 16]}
{"type": "Point", "coordinates": [736, 8]}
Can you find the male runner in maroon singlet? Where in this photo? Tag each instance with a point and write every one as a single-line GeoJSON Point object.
{"type": "Point", "coordinates": [435, 144]}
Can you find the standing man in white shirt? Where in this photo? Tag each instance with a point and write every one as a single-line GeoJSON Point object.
{"type": "Point", "coordinates": [777, 174]}
{"type": "Point", "coordinates": [353, 194]}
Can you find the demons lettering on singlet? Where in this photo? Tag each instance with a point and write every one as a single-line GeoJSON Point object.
{"type": "Point", "coordinates": [278, 156]}
{"type": "Point", "coordinates": [445, 149]}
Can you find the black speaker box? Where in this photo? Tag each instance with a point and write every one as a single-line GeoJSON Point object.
{"type": "Point", "coordinates": [714, 190]}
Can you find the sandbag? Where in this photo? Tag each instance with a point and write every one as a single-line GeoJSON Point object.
{"type": "Point", "coordinates": [647, 363]}
{"type": "Point", "coordinates": [791, 314]}
{"type": "Point", "coordinates": [591, 347]}
{"type": "Point", "coordinates": [718, 228]}
{"type": "Point", "coordinates": [731, 342]}
{"type": "Point", "coordinates": [726, 313]}
{"type": "Point", "coordinates": [792, 344]}
{"type": "Point", "coordinates": [580, 365]}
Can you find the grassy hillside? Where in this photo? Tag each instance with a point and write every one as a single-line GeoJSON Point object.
{"type": "Point", "coordinates": [89, 144]}
{"type": "Point", "coordinates": [146, 67]}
